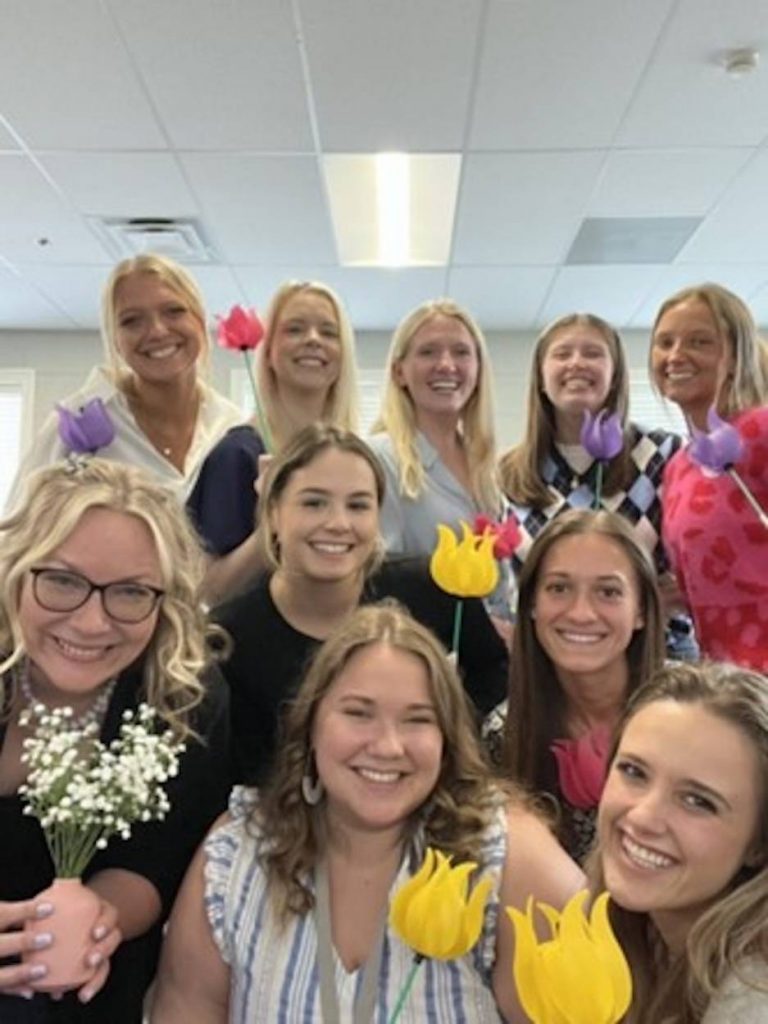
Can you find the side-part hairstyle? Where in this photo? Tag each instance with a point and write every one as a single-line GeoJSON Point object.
{"type": "Point", "coordinates": [397, 417]}
{"type": "Point", "coordinates": [520, 467]}
{"type": "Point", "coordinates": [173, 276]}
{"type": "Point", "coordinates": [341, 403]}
{"type": "Point", "coordinates": [736, 926]}
{"type": "Point", "coordinates": [55, 500]}
{"type": "Point", "coordinates": [459, 808]}
{"type": "Point", "coordinates": [302, 450]}
{"type": "Point", "coordinates": [537, 708]}
{"type": "Point", "coordinates": [747, 385]}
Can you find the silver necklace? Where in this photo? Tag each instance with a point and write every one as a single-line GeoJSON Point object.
{"type": "Point", "coordinates": [93, 715]}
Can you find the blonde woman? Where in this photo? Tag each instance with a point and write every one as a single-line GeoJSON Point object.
{"type": "Point", "coordinates": [379, 760]}
{"type": "Point", "coordinates": [166, 417]}
{"type": "Point", "coordinates": [306, 374]}
{"type": "Point", "coordinates": [435, 433]}
{"type": "Point", "coordinates": [99, 611]}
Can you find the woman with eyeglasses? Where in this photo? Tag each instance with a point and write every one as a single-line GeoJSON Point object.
{"type": "Point", "coordinates": [99, 611]}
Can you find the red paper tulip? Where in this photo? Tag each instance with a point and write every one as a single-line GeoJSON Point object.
{"type": "Point", "coordinates": [241, 330]}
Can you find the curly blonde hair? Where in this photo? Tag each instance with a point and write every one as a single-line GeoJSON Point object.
{"type": "Point", "coordinates": [341, 401]}
{"type": "Point", "coordinates": [520, 466]}
{"type": "Point", "coordinates": [54, 502]}
{"type": "Point", "coordinates": [461, 804]}
{"type": "Point", "coordinates": [677, 989]}
{"type": "Point", "coordinates": [397, 417]}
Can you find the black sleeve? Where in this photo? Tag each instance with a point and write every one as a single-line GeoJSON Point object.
{"type": "Point", "coordinates": [223, 503]}
{"type": "Point", "coordinates": [160, 851]}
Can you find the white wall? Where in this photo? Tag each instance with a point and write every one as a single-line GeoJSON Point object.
{"type": "Point", "coordinates": [61, 361]}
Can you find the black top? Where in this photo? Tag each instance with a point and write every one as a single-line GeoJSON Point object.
{"type": "Point", "coordinates": [270, 657]}
{"type": "Point", "coordinates": [159, 851]}
{"type": "Point", "coordinates": [222, 504]}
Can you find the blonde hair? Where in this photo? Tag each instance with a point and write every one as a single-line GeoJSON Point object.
{"type": "Point", "coordinates": [747, 385]}
{"type": "Point", "coordinates": [55, 500]}
{"type": "Point", "coordinates": [341, 401]}
{"type": "Point", "coordinates": [520, 467]}
{"type": "Point", "coordinates": [677, 990]}
{"type": "Point", "coordinates": [397, 417]}
{"type": "Point", "coordinates": [302, 451]}
{"type": "Point", "coordinates": [173, 276]}
{"type": "Point", "coordinates": [459, 808]}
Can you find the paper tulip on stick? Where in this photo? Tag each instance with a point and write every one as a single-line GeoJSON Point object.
{"type": "Point", "coordinates": [577, 976]}
{"type": "Point", "coordinates": [466, 569]}
{"type": "Point", "coordinates": [717, 450]}
{"type": "Point", "coordinates": [602, 437]}
{"type": "Point", "coordinates": [86, 431]}
{"type": "Point", "coordinates": [243, 331]}
{"type": "Point", "coordinates": [434, 914]}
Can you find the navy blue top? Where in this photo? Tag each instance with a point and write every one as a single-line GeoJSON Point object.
{"type": "Point", "coordinates": [223, 503]}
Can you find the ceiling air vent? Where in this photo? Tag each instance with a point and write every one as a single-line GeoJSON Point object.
{"type": "Point", "coordinates": [180, 238]}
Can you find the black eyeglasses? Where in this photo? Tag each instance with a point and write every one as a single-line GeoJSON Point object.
{"type": "Point", "coordinates": [59, 590]}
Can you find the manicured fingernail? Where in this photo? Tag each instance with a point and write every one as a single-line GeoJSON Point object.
{"type": "Point", "coordinates": [94, 959]}
{"type": "Point", "coordinates": [26, 993]}
{"type": "Point", "coordinates": [43, 910]}
{"type": "Point", "coordinates": [85, 996]}
{"type": "Point", "coordinates": [38, 971]}
{"type": "Point", "coordinates": [43, 940]}
{"type": "Point", "coordinates": [100, 932]}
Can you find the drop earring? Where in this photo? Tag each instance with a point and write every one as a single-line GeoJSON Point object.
{"type": "Point", "coordinates": [312, 788]}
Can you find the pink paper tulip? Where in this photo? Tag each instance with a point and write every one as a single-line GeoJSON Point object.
{"type": "Point", "coordinates": [240, 330]}
{"type": "Point", "coordinates": [506, 535]}
{"type": "Point", "coordinates": [581, 767]}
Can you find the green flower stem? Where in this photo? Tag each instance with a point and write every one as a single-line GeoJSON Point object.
{"type": "Point", "coordinates": [265, 435]}
{"type": "Point", "coordinates": [457, 628]}
{"type": "Point", "coordinates": [404, 992]}
{"type": "Point", "coordinates": [598, 484]}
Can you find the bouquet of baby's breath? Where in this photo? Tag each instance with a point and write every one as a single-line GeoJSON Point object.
{"type": "Point", "coordinates": [83, 792]}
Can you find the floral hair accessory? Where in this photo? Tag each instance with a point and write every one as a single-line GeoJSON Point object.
{"type": "Point", "coordinates": [581, 767]}
{"type": "Point", "coordinates": [577, 976]}
{"type": "Point", "coordinates": [242, 331]}
{"type": "Point", "coordinates": [506, 535]}
{"type": "Point", "coordinates": [434, 914]}
{"type": "Point", "coordinates": [603, 438]}
{"type": "Point", "coordinates": [466, 569]}
{"type": "Point", "coordinates": [717, 450]}
{"type": "Point", "coordinates": [86, 431]}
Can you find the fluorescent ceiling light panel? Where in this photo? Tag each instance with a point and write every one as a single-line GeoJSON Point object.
{"type": "Point", "coordinates": [393, 209]}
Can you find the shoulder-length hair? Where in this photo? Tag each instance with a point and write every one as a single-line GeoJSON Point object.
{"type": "Point", "coordinates": [301, 451]}
{"type": "Point", "coordinates": [55, 501]}
{"type": "Point", "coordinates": [398, 415]}
{"type": "Point", "coordinates": [736, 926]}
{"type": "Point", "coordinates": [173, 276]}
{"type": "Point", "coordinates": [341, 401]}
{"type": "Point", "coordinates": [520, 467]}
{"type": "Point", "coordinates": [747, 385]}
{"type": "Point", "coordinates": [537, 704]}
{"type": "Point", "coordinates": [457, 811]}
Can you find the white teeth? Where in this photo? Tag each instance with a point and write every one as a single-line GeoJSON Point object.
{"type": "Point", "coordinates": [373, 776]}
{"type": "Point", "coordinates": [679, 376]}
{"type": "Point", "coordinates": [332, 549]}
{"type": "Point", "coordinates": [77, 653]}
{"type": "Point", "coordinates": [644, 857]}
{"type": "Point", "coordinates": [444, 385]}
{"type": "Point", "coordinates": [581, 638]}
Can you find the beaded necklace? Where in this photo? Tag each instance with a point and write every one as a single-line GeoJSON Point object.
{"type": "Point", "coordinates": [93, 715]}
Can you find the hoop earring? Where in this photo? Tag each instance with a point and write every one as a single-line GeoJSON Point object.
{"type": "Point", "coordinates": [312, 789]}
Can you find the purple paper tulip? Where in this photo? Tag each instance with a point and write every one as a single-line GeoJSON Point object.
{"type": "Point", "coordinates": [88, 430]}
{"type": "Point", "coordinates": [719, 448]}
{"type": "Point", "coordinates": [602, 435]}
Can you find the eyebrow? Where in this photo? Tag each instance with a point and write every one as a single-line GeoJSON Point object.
{"type": "Point", "coordinates": [612, 576]}
{"type": "Point", "coordinates": [325, 492]}
{"type": "Point", "coordinates": [700, 787]}
{"type": "Point", "coordinates": [369, 702]}
{"type": "Point", "coordinates": [66, 566]}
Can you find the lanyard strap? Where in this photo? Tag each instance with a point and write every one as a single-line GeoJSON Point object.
{"type": "Point", "coordinates": [365, 1003]}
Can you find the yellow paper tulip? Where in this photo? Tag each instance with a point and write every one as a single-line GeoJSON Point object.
{"type": "Point", "coordinates": [466, 569]}
{"type": "Point", "coordinates": [580, 974]}
{"type": "Point", "coordinates": [431, 913]}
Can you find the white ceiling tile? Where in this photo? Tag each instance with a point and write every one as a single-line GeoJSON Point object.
{"type": "Point", "coordinates": [501, 297]}
{"type": "Point", "coordinates": [220, 287]}
{"type": "Point", "coordinates": [66, 80]}
{"type": "Point", "coordinates": [560, 74]}
{"type": "Point", "coordinates": [76, 290]}
{"type": "Point", "coordinates": [222, 75]}
{"type": "Point", "coordinates": [122, 184]}
{"type": "Point", "coordinates": [614, 293]}
{"type": "Point", "coordinates": [758, 303]}
{"type": "Point", "coordinates": [686, 98]}
{"type": "Point", "coordinates": [745, 281]}
{"type": "Point", "coordinates": [31, 210]}
{"type": "Point", "coordinates": [7, 141]}
{"type": "Point", "coordinates": [391, 76]}
{"type": "Point", "coordinates": [522, 207]}
{"type": "Point", "coordinates": [664, 183]}
{"type": "Point", "coordinates": [22, 306]}
{"type": "Point", "coordinates": [735, 231]}
{"type": "Point", "coordinates": [263, 209]}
